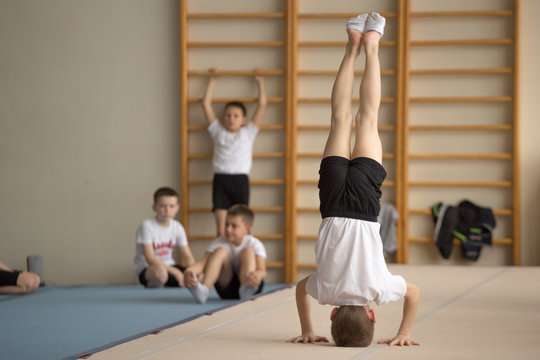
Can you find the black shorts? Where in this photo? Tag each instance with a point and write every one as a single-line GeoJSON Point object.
{"type": "Point", "coordinates": [231, 290]}
{"type": "Point", "coordinates": [9, 278]}
{"type": "Point", "coordinates": [350, 188]}
{"type": "Point", "coordinates": [229, 190]}
{"type": "Point", "coordinates": [171, 281]}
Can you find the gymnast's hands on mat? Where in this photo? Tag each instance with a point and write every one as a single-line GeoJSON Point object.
{"type": "Point", "coordinates": [399, 340]}
{"type": "Point", "coordinates": [308, 338]}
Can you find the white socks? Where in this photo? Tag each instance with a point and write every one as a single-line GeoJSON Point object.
{"type": "Point", "coordinates": [358, 23]}
{"type": "Point", "coordinates": [367, 22]}
{"type": "Point", "coordinates": [375, 22]}
{"type": "Point", "coordinates": [246, 292]}
{"type": "Point", "coordinates": [200, 293]}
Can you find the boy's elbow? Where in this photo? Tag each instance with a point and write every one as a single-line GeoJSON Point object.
{"type": "Point", "coordinates": [412, 291]}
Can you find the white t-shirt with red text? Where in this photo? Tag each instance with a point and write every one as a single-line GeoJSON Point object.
{"type": "Point", "coordinates": [163, 241]}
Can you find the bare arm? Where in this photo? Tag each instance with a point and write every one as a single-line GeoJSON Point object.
{"type": "Point", "coordinates": [410, 307]}
{"type": "Point", "coordinates": [261, 105]}
{"type": "Point", "coordinates": [207, 99]}
{"type": "Point", "coordinates": [151, 259]}
{"type": "Point", "coordinates": [186, 253]}
{"type": "Point", "coordinates": [303, 306]}
{"type": "Point", "coordinates": [254, 278]}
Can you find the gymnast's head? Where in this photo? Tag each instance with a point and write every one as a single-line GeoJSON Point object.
{"type": "Point", "coordinates": [234, 116]}
{"type": "Point", "coordinates": [352, 326]}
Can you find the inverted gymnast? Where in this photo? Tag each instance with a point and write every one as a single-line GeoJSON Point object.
{"type": "Point", "coordinates": [351, 270]}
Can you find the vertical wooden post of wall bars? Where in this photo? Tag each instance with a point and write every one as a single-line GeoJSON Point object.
{"type": "Point", "coordinates": [184, 186]}
{"type": "Point", "coordinates": [403, 250]}
{"type": "Point", "coordinates": [291, 75]}
{"type": "Point", "coordinates": [516, 143]}
{"type": "Point", "coordinates": [401, 82]}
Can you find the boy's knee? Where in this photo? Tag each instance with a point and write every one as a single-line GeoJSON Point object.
{"type": "Point", "coordinates": [220, 253]}
{"type": "Point", "coordinates": [247, 252]}
{"type": "Point", "coordinates": [157, 276]}
{"type": "Point", "coordinates": [366, 117]}
{"type": "Point", "coordinates": [341, 117]}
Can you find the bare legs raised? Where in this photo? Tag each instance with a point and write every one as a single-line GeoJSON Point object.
{"type": "Point", "coordinates": [367, 141]}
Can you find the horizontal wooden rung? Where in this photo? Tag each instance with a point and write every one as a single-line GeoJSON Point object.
{"type": "Point", "coordinates": [461, 183]}
{"type": "Point", "coordinates": [244, 100]}
{"type": "Point", "coordinates": [327, 127]}
{"type": "Point", "coordinates": [315, 182]}
{"type": "Point", "coordinates": [306, 237]}
{"type": "Point", "coordinates": [462, 13]}
{"type": "Point", "coordinates": [429, 240]}
{"type": "Point", "coordinates": [319, 155]}
{"type": "Point", "coordinates": [460, 127]}
{"type": "Point", "coordinates": [235, 44]}
{"type": "Point", "coordinates": [339, 15]}
{"type": "Point", "coordinates": [461, 71]}
{"type": "Point", "coordinates": [306, 266]}
{"type": "Point", "coordinates": [462, 42]}
{"type": "Point", "coordinates": [251, 182]}
{"type": "Point", "coordinates": [497, 212]}
{"type": "Point", "coordinates": [501, 156]}
{"type": "Point", "coordinates": [334, 72]}
{"type": "Point", "coordinates": [337, 43]}
{"type": "Point", "coordinates": [454, 99]}
{"type": "Point", "coordinates": [327, 100]}
{"type": "Point", "coordinates": [254, 208]}
{"type": "Point", "coordinates": [269, 15]}
{"type": "Point", "coordinates": [255, 155]}
{"type": "Point", "coordinates": [261, 127]}
{"type": "Point", "coordinates": [236, 72]}
{"type": "Point", "coordinates": [275, 264]}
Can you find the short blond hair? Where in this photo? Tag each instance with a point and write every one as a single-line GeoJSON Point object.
{"type": "Point", "coordinates": [243, 211]}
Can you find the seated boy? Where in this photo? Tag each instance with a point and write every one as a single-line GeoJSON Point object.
{"type": "Point", "coordinates": [156, 239]}
{"type": "Point", "coordinates": [351, 271]}
{"type": "Point", "coordinates": [233, 137]}
{"type": "Point", "coordinates": [234, 263]}
{"type": "Point", "coordinates": [17, 282]}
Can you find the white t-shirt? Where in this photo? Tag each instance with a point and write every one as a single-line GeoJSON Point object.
{"type": "Point", "coordinates": [233, 152]}
{"type": "Point", "coordinates": [163, 241]}
{"type": "Point", "coordinates": [234, 251]}
{"type": "Point", "coordinates": [350, 265]}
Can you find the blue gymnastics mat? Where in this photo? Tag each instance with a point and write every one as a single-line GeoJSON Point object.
{"type": "Point", "coordinates": [56, 322]}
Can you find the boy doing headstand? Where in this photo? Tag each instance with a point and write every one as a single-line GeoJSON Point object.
{"type": "Point", "coordinates": [351, 271]}
{"type": "Point", "coordinates": [156, 239]}
{"type": "Point", "coordinates": [234, 263]}
{"type": "Point", "coordinates": [233, 138]}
